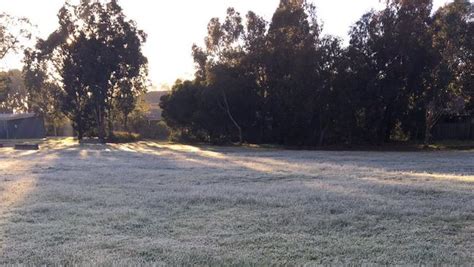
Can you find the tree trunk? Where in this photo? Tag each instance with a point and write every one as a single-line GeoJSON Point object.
{"type": "Point", "coordinates": [101, 125]}
{"type": "Point", "coordinates": [125, 124]}
{"type": "Point", "coordinates": [427, 137]}
{"type": "Point", "coordinates": [322, 135]}
{"type": "Point", "coordinates": [229, 114]}
{"type": "Point", "coordinates": [388, 132]}
{"type": "Point", "coordinates": [80, 133]}
{"type": "Point", "coordinates": [386, 126]}
{"type": "Point", "coordinates": [432, 116]}
{"type": "Point", "coordinates": [111, 126]}
{"type": "Point", "coordinates": [80, 130]}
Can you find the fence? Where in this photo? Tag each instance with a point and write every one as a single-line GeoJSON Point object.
{"type": "Point", "coordinates": [460, 129]}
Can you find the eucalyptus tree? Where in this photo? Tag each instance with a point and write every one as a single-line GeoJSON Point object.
{"type": "Point", "coordinates": [451, 89]}
{"type": "Point", "coordinates": [94, 57]}
{"type": "Point", "coordinates": [16, 99]}
{"type": "Point", "coordinates": [391, 49]}
{"type": "Point", "coordinates": [228, 76]}
{"type": "Point", "coordinates": [15, 32]}
{"type": "Point", "coordinates": [294, 84]}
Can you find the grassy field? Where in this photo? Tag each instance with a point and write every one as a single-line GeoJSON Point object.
{"type": "Point", "coordinates": [175, 204]}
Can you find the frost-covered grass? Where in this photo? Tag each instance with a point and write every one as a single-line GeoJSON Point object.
{"type": "Point", "coordinates": [175, 204]}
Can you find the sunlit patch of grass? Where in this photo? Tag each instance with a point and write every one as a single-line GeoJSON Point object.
{"type": "Point", "coordinates": [452, 145]}
{"type": "Point", "coordinates": [170, 204]}
{"type": "Point", "coordinates": [13, 192]}
{"type": "Point", "coordinates": [441, 176]}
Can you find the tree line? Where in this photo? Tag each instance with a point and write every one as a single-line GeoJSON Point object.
{"type": "Point", "coordinates": [283, 82]}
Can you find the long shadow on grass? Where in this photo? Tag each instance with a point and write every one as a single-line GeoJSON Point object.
{"type": "Point", "coordinates": [158, 203]}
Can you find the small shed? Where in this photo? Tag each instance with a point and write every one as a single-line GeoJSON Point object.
{"type": "Point", "coordinates": [22, 126]}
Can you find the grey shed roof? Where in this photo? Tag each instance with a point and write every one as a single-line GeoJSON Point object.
{"type": "Point", "coordinates": [11, 116]}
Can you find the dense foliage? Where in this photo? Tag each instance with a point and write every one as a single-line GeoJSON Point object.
{"type": "Point", "coordinates": [90, 68]}
{"type": "Point", "coordinates": [15, 97]}
{"type": "Point", "coordinates": [14, 32]}
{"type": "Point", "coordinates": [282, 82]}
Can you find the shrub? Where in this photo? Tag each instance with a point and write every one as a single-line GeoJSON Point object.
{"type": "Point", "coordinates": [157, 130]}
{"type": "Point", "coordinates": [124, 137]}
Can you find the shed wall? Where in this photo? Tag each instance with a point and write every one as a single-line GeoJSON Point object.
{"type": "Point", "coordinates": [27, 128]}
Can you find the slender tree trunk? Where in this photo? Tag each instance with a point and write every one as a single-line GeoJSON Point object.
{"type": "Point", "coordinates": [428, 128]}
{"type": "Point", "coordinates": [102, 128]}
{"type": "Point", "coordinates": [427, 137]}
{"type": "Point", "coordinates": [101, 125]}
{"type": "Point", "coordinates": [80, 129]}
{"type": "Point", "coordinates": [80, 133]}
{"type": "Point", "coordinates": [432, 117]}
{"type": "Point", "coordinates": [125, 123]}
{"type": "Point", "coordinates": [386, 126]}
{"type": "Point", "coordinates": [110, 121]}
{"type": "Point", "coordinates": [229, 114]}
{"type": "Point", "coordinates": [322, 136]}
{"type": "Point", "coordinates": [388, 132]}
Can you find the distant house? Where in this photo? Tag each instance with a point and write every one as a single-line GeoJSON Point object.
{"type": "Point", "coordinates": [21, 126]}
{"type": "Point", "coordinates": [153, 100]}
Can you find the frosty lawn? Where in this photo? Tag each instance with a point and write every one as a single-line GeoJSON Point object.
{"type": "Point", "coordinates": [177, 204]}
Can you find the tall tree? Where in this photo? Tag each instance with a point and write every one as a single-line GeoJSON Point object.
{"type": "Point", "coordinates": [220, 70]}
{"type": "Point", "coordinates": [16, 99]}
{"type": "Point", "coordinates": [291, 69]}
{"type": "Point", "coordinates": [14, 33]}
{"type": "Point", "coordinates": [94, 56]}
{"type": "Point", "coordinates": [451, 86]}
{"type": "Point", "coordinates": [392, 49]}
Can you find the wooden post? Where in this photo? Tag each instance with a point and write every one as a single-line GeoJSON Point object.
{"type": "Point", "coordinates": [5, 126]}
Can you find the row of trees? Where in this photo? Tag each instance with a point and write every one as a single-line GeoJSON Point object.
{"type": "Point", "coordinates": [90, 70]}
{"type": "Point", "coordinates": [283, 82]}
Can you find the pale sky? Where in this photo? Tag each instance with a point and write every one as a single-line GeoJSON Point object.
{"type": "Point", "coordinates": [173, 26]}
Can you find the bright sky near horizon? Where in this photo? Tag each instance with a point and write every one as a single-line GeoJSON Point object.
{"type": "Point", "coordinates": [173, 26]}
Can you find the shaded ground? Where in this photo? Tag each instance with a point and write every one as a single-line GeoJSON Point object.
{"type": "Point", "coordinates": [176, 204]}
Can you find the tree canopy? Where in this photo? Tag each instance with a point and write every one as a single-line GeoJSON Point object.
{"type": "Point", "coordinates": [14, 33]}
{"type": "Point", "coordinates": [283, 82]}
{"type": "Point", "coordinates": [93, 63]}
